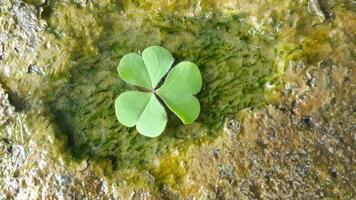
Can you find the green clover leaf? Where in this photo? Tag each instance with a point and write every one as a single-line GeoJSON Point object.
{"type": "Point", "coordinates": [177, 92]}
{"type": "Point", "coordinates": [142, 108]}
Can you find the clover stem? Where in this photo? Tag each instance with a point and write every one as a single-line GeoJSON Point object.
{"type": "Point", "coordinates": [143, 89]}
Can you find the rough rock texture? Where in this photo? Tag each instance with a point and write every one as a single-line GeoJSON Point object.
{"type": "Point", "coordinates": [6, 109]}
{"type": "Point", "coordinates": [279, 103]}
{"type": "Point", "coordinates": [304, 143]}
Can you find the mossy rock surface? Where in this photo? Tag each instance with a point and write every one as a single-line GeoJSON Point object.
{"type": "Point", "coordinates": [273, 72]}
{"type": "Point", "coordinates": [235, 73]}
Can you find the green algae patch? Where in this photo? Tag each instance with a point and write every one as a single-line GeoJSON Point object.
{"type": "Point", "coordinates": [236, 60]}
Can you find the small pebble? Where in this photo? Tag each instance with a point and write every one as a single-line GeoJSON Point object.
{"type": "Point", "coordinates": [333, 172]}
{"type": "Point", "coordinates": [308, 120]}
{"type": "Point", "coordinates": [34, 69]}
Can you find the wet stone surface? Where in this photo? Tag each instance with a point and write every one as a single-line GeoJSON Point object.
{"type": "Point", "coordinates": [278, 101]}
{"type": "Point", "coordinates": [83, 107]}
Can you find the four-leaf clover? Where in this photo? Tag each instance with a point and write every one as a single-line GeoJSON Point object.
{"type": "Point", "coordinates": [143, 108]}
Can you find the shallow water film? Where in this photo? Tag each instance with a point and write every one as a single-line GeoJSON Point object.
{"type": "Point", "coordinates": [278, 100]}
